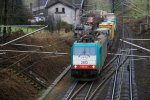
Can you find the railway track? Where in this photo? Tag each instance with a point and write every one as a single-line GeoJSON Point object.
{"type": "Point", "coordinates": [29, 76]}
{"type": "Point", "coordinates": [118, 82]}
{"type": "Point", "coordinates": [92, 90]}
{"type": "Point", "coordinates": [25, 72]}
{"type": "Point", "coordinates": [122, 85]}
{"type": "Point", "coordinates": [89, 90]}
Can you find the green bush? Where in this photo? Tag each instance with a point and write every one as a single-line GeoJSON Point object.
{"type": "Point", "coordinates": [62, 24]}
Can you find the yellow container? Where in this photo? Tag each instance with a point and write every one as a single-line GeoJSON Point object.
{"type": "Point", "coordinates": [109, 25]}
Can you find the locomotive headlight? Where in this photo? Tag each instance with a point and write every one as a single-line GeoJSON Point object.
{"type": "Point", "coordinates": [75, 66]}
{"type": "Point", "coordinates": [94, 67]}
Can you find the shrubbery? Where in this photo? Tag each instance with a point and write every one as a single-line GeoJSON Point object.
{"type": "Point", "coordinates": [57, 24]}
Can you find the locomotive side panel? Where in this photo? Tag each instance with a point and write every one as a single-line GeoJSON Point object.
{"type": "Point", "coordinates": [103, 41]}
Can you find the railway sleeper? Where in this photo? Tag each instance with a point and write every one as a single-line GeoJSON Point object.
{"type": "Point", "coordinates": [12, 70]}
{"type": "Point", "coordinates": [25, 78]}
{"type": "Point", "coordinates": [28, 78]}
{"type": "Point", "coordinates": [32, 83]}
{"type": "Point", "coordinates": [21, 76]}
{"type": "Point", "coordinates": [39, 88]}
{"type": "Point", "coordinates": [35, 85]}
{"type": "Point", "coordinates": [9, 70]}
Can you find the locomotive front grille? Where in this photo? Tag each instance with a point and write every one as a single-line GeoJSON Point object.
{"type": "Point", "coordinates": [84, 73]}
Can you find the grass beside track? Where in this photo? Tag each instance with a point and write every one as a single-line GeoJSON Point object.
{"type": "Point", "coordinates": [135, 8]}
{"type": "Point", "coordinates": [100, 5]}
{"type": "Point", "coordinates": [27, 2]}
{"type": "Point", "coordinates": [25, 29]}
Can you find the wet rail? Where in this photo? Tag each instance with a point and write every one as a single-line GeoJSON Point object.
{"type": "Point", "coordinates": [87, 90]}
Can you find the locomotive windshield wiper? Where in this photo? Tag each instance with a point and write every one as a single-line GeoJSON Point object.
{"type": "Point", "coordinates": [84, 53]}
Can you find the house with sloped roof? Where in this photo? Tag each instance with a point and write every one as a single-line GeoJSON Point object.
{"type": "Point", "coordinates": [66, 10]}
{"type": "Point", "coordinates": [39, 8]}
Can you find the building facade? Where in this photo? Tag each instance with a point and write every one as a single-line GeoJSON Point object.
{"type": "Point", "coordinates": [64, 10]}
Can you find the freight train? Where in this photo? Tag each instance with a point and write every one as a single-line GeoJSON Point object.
{"type": "Point", "coordinates": [89, 53]}
{"type": "Point", "coordinates": [89, 22]}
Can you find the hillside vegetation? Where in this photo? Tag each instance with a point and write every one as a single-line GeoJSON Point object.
{"type": "Point", "coordinates": [27, 2]}
{"type": "Point", "coordinates": [99, 5]}
{"type": "Point", "coordinates": [133, 8]}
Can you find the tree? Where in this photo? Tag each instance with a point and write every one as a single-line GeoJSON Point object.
{"type": "Point", "coordinates": [12, 12]}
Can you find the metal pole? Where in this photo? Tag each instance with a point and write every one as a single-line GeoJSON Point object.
{"type": "Point", "coordinates": [22, 25]}
{"type": "Point", "coordinates": [135, 45]}
{"type": "Point", "coordinates": [128, 55]}
{"type": "Point", "coordinates": [56, 53]}
{"type": "Point", "coordinates": [137, 39]}
{"type": "Point", "coordinates": [122, 19]}
{"type": "Point", "coordinates": [113, 6]}
{"type": "Point", "coordinates": [27, 45]}
{"type": "Point", "coordinates": [137, 60]}
{"type": "Point", "coordinates": [46, 3]}
{"type": "Point", "coordinates": [38, 12]}
{"type": "Point", "coordinates": [23, 36]}
{"type": "Point", "coordinates": [129, 50]}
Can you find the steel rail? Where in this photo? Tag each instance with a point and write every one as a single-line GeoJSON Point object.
{"type": "Point", "coordinates": [110, 62]}
{"type": "Point", "coordinates": [56, 81]}
{"type": "Point", "coordinates": [44, 46]}
{"type": "Point", "coordinates": [31, 77]}
{"type": "Point", "coordinates": [87, 95]}
{"type": "Point", "coordinates": [72, 90]}
{"type": "Point", "coordinates": [20, 59]}
{"type": "Point", "coordinates": [16, 62]}
{"type": "Point", "coordinates": [115, 79]}
{"type": "Point", "coordinates": [77, 91]}
{"type": "Point", "coordinates": [5, 59]}
{"type": "Point", "coordinates": [13, 56]}
{"type": "Point", "coordinates": [107, 69]}
{"type": "Point", "coordinates": [130, 72]}
{"type": "Point", "coordinates": [121, 82]}
{"type": "Point", "coordinates": [27, 67]}
{"type": "Point", "coordinates": [28, 75]}
{"type": "Point", "coordinates": [108, 77]}
{"type": "Point", "coordinates": [130, 80]}
{"type": "Point", "coordinates": [94, 92]}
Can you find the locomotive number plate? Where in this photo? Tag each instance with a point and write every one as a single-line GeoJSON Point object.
{"type": "Point", "coordinates": [84, 62]}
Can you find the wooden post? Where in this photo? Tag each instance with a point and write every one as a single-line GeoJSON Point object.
{"type": "Point", "coordinates": [5, 19]}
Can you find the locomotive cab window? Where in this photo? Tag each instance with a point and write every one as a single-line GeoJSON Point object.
{"type": "Point", "coordinates": [84, 51]}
